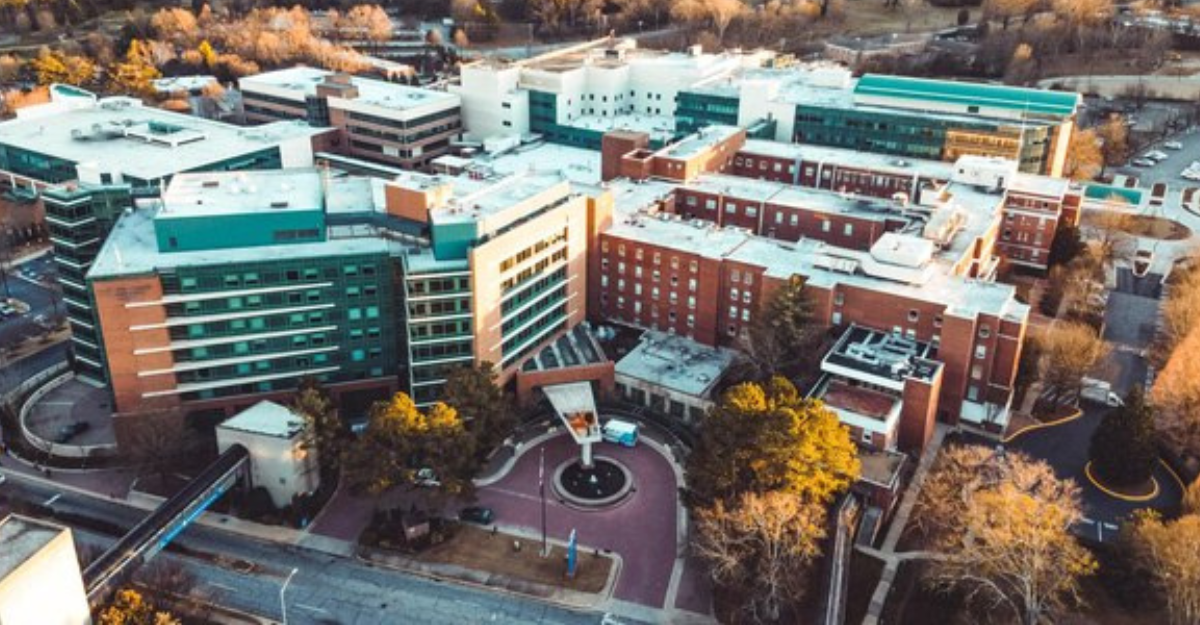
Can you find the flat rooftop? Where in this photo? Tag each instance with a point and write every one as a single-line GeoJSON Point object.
{"type": "Point", "coordinates": [882, 354]}
{"type": "Point", "coordinates": [677, 363]}
{"type": "Point", "coordinates": [229, 193]}
{"type": "Point", "coordinates": [132, 249]}
{"type": "Point", "coordinates": [575, 348]}
{"type": "Point", "coordinates": [700, 142]}
{"type": "Point", "coordinates": [823, 265]}
{"type": "Point", "coordinates": [937, 170]}
{"type": "Point", "coordinates": [265, 418]}
{"type": "Point", "coordinates": [490, 202]}
{"type": "Point", "coordinates": [579, 165]}
{"type": "Point", "coordinates": [22, 538]}
{"type": "Point", "coordinates": [303, 82]}
{"type": "Point", "coordinates": [659, 127]}
{"type": "Point", "coordinates": [139, 141]}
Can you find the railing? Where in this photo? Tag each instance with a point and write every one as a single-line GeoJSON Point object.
{"type": "Point", "coordinates": [40, 384]}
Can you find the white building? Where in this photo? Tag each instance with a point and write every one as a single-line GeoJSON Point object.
{"type": "Point", "coordinates": [40, 582]}
{"type": "Point", "coordinates": [274, 436]}
{"type": "Point", "coordinates": [601, 86]}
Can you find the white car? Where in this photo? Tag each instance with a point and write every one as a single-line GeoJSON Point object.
{"type": "Point", "coordinates": [1156, 156]}
{"type": "Point", "coordinates": [1173, 145]}
{"type": "Point", "coordinates": [1142, 162]}
{"type": "Point", "coordinates": [1190, 174]}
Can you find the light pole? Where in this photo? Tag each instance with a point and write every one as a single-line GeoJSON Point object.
{"type": "Point", "coordinates": [542, 494]}
{"type": "Point", "coordinates": [282, 590]}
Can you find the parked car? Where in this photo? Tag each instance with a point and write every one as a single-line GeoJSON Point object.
{"type": "Point", "coordinates": [1143, 162]}
{"type": "Point", "coordinates": [1156, 156]}
{"type": "Point", "coordinates": [1100, 392]}
{"type": "Point", "coordinates": [71, 430]}
{"type": "Point", "coordinates": [1173, 145]}
{"type": "Point", "coordinates": [426, 478]}
{"type": "Point", "coordinates": [6, 310]}
{"type": "Point", "coordinates": [477, 514]}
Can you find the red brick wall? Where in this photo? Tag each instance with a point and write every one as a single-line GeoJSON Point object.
{"type": "Point", "coordinates": [613, 146]}
{"type": "Point", "coordinates": [529, 382]}
{"type": "Point", "coordinates": [919, 413]}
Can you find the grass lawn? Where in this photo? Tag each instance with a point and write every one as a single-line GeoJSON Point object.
{"type": "Point", "coordinates": [478, 549]}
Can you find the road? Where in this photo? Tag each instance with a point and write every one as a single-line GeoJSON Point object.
{"type": "Point", "coordinates": [40, 298]}
{"type": "Point", "coordinates": [326, 589]}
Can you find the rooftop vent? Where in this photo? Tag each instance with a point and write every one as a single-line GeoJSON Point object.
{"type": "Point", "coordinates": [210, 184]}
{"type": "Point", "coordinates": [279, 204]}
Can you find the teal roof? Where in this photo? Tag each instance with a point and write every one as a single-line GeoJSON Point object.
{"type": "Point", "coordinates": [969, 94]}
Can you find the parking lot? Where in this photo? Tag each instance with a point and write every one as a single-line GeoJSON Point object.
{"type": "Point", "coordinates": [1167, 170]}
{"type": "Point", "coordinates": [30, 283]}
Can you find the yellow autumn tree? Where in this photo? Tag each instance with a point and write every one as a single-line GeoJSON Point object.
{"type": "Point", "coordinates": [768, 438]}
{"type": "Point", "coordinates": [136, 73]}
{"type": "Point", "coordinates": [59, 67]}
{"type": "Point", "coordinates": [129, 607]}
{"type": "Point", "coordinates": [400, 440]}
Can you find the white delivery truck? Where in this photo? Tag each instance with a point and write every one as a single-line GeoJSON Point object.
{"type": "Point", "coordinates": [1100, 392]}
{"type": "Point", "coordinates": [621, 432]}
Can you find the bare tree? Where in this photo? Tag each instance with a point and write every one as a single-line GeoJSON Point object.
{"type": "Point", "coordinates": [999, 525]}
{"type": "Point", "coordinates": [1170, 551]}
{"type": "Point", "coordinates": [1069, 352]}
{"type": "Point", "coordinates": [762, 548]}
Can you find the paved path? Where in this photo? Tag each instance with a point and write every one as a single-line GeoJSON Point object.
{"type": "Point", "coordinates": [888, 550]}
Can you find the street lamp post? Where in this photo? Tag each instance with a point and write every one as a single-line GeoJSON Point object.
{"type": "Point", "coordinates": [282, 590]}
{"type": "Point", "coordinates": [542, 494]}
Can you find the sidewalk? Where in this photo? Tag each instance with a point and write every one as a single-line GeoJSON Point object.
{"type": "Point", "coordinates": [888, 550]}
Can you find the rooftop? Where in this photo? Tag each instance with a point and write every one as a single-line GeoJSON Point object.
{"type": "Point", "coordinates": [138, 141]}
{"type": "Point", "coordinates": [227, 193]}
{"type": "Point", "coordinates": [22, 538]}
{"type": "Point", "coordinates": [266, 418]}
{"type": "Point", "coordinates": [823, 265]}
{"type": "Point", "coordinates": [700, 142]}
{"type": "Point", "coordinates": [677, 363]}
{"type": "Point", "coordinates": [659, 127]}
{"type": "Point", "coordinates": [881, 355]}
{"type": "Point", "coordinates": [132, 249]}
{"type": "Point", "coordinates": [579, 165]}
{"type": "Point", "coordinates": [938, 170]}
{"type": "Point", "coordinates": [1042, 101]}
{"type": "Point", "coordinates": [303, 81]}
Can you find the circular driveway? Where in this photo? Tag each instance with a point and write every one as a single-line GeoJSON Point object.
{"type": "Point", "coordinates": [1065, 448]}
{"type": "Point", "coordinates": [642, 529]}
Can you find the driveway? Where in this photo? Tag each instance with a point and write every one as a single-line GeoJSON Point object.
{"type": "Point", "coordinates": [642, 530]}
{"type": "Point", "coordinates": [1065, 448]}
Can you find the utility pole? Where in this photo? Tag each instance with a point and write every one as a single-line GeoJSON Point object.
{"type": "Point", "coordinates": [542, 494]}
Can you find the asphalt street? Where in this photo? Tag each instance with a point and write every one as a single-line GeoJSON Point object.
{"type": "Point", "coordinates": [326, 589]}
{"type": "Point", "coordinates": [33, 292]}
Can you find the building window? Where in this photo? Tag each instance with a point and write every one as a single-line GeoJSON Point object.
{"type": "Point", "coordinates": [937, 321]}
{"type": "Point", "coordinates": [824, 225]}
{"type": "Point", "coordinates": [976, 372]}
{"type": "Point", "coordinates": [984, 332]}
{"type": "Point", "coordinates": [730, 208]}
{"type": "Point", "coordinates": [745, 297]}
{"type": "Point", "coordinates": [733, 294]}
{"type": "Point", "coordinates": [637, 254]}
{"type": "Point", "coordinates": [794, 220]}
{"type": "Point", "coordinates": [848, 229]}
{"type": "Point", "coordinates": [914, 315]}
{"type": "Point", "coordinates": [839, 298]}
{"type": "Point", "coordinates": [751, 211]}
{"type": "Point", "coordinates": [691, 301]}
{"type": "Point", "coordinates": [710, 204]}
{"type": "Point", "coordinates": [867, 438]}
{"type": "Point", "coordinates": [980, 352]}
{"type": "Point", "coordinates": [693, 267]}
{"type": "Point", "coordinates": [735, 275]}
{"type": "Point", "coordinates": [745, 314]}
{"type": "Point", "coordinates": [637, 271]}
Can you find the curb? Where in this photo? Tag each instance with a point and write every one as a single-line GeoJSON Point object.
{"type": "Point", "coordinates": [603, 596]}
{"type": "Point", "coordinates": [1041, 426]}
{"type": "Point", "coordinates": [1087, 471]}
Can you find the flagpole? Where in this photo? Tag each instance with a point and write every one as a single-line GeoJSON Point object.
{"type": "Point", "coordinates": [542, 494]}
